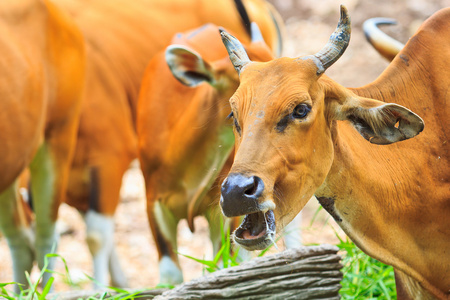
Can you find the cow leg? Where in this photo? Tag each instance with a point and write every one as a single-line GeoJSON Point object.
{"type": "Point", "coordinates": [48, 178]}
{"type": "Point", "coordinates": [104, 194]}
{"type": "Point", "coordinates": [292, 233]}
{"type": "Point", "coordinates": [118, 278]}
{"type": "Point", "coordinates": [215, 219]}
{"type": "Point", "coordinates": [164, 224]}
{"type": "Point", "coordinates": [49, 175]}
{"type": "Point", "coordinates": [18, 235]}
{"type": "Point", "coordinates": [100, 240]}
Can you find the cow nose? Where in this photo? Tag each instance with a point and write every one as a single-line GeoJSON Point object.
{"type": "Point", "coordinates": [240, 194]}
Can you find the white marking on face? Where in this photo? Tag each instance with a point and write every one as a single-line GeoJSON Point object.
{"type": "Point", "coordinates": [260, 114]}
{"type": "Point", "coordinates": [267, 205]}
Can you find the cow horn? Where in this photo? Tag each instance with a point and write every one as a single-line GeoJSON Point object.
{"type": "Point", "coordinates": [337, 43]}
{"type": "Point", "coordinates": [236, 51]}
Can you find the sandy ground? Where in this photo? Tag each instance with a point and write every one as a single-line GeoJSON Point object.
{"type": "Point", "coordinates": [308, 26]}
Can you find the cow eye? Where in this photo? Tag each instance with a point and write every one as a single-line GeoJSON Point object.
{"type": "Point", "coordinates": [301, 111]}
{"type": "Point", "coordinates": [236, 124]}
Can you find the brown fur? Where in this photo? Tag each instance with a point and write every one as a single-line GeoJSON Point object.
{"type": "Point", "coordinates": [393, 199]}
{"type": "Point", "coordinates": [179, 129]}
{"type": "Point", "coordinates": [44, 65]}
{"type": "Point", "coordinates": [121, 37]}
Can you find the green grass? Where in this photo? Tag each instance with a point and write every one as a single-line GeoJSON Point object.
{"type": "Point", "coordinates": [224, 258]}
{"type": "Point", "coordinates": [34, 292]}
{"type": "Point", "coordinates": [364, 277]}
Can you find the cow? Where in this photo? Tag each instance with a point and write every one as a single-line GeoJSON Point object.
{"type": "Point", "coordinates": [43, 60]}
{"type": "Point", "coordinates": [121, 37]}
{"type": "Point", "coordinates": [387, 46]}
{"type": "Point", "coordinates": [388, 187]}
{"type": "Point", "coordinates": [185, 138]}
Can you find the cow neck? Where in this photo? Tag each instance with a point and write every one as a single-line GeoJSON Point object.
{"type": "Point", "coordinates": [361, 192]}
{"type": "Point", "coordinates": [371, 192]}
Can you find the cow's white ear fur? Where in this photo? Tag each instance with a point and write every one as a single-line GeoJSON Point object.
{"type": "Point", "coordinates": [188, 66]}
{"type": "Point", "coordinates": [381, 123]}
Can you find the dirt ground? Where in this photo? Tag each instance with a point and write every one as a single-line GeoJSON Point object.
{"type": "Point", "coordinates": [308, 26]}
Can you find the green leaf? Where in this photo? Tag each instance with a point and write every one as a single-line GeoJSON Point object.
{"type": "Point", "coordinates": [47, 288]}
{"type": "Point", "coordinates": [313, 219]}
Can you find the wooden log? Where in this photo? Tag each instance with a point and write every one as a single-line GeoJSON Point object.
{"type": "Point", "coordinates": [302, 273]}
{"type": "Point", "coordinates": [311, 272]}
{"type": "Point", "coordinates": [144, 294]}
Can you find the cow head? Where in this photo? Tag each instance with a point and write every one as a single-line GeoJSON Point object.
{"type": "Point", "coordinates": [285, 114]}
{"type": "Point", "coordinates": [213, 67]}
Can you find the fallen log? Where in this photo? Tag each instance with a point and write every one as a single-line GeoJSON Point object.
{"type": "Point", "coordinates": [141, 294]}
{"type": "Point", "coordinates": [301, 273]}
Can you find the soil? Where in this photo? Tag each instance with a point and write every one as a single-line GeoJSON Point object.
{"type": "Point", "coordinates": [308, 27]}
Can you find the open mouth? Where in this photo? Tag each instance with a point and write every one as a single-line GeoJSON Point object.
{"type": "Point", "coordinates": [257, 230]}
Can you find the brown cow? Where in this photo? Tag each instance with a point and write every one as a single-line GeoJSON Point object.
{"type": "Point", "coordinates": [42, 58]}
{"type": "Point", "coordinates": [297, 135]}
{"type": "Point", "coordinates": [121, 38]}
{"type": "Point", "coordinates": [185, 136]}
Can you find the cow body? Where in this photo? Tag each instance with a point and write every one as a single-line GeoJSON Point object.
{"type": "Point", "coordinates": [43, 63]}
{"type": "Point", "coordinates": [392, 199]}
{"type": "Point", "coordinates": [121, 38]}
{"type": "Point", "coordinates": [185, 137]}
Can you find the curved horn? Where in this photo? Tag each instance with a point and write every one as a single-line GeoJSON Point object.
{"type": "Point", "coordinates": [236, 51]}
{"type": "Point", "coordinates": [337, 43]}
{"type": "Point", "coordinates": [387, 46]}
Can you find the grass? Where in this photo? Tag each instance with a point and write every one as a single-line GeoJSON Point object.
{"type": "Point", "coordinates": [224, 258]}
{"type": "Point", "coordinates": [33, 292]}
{"type": "Point", "coordinates": [364, 277]}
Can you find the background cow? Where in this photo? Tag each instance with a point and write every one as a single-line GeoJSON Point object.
{"type": "Point", "coordinates": [43, 75]}
{"type": "Point", "coordinates": [121, 37]}
{"type": "Point", "coordinates": [392, 200]}
{"type": "Point", "coordinates": [185, 137]}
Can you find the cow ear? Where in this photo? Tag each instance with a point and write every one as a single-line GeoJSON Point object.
{"type": "Point", "coordinates": [381, 123]}
{"type": "Point", "coordinates": [188, 66]}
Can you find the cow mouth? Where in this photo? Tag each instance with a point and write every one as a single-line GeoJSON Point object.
{"type": "Point", "coordinates": [257, 231]}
